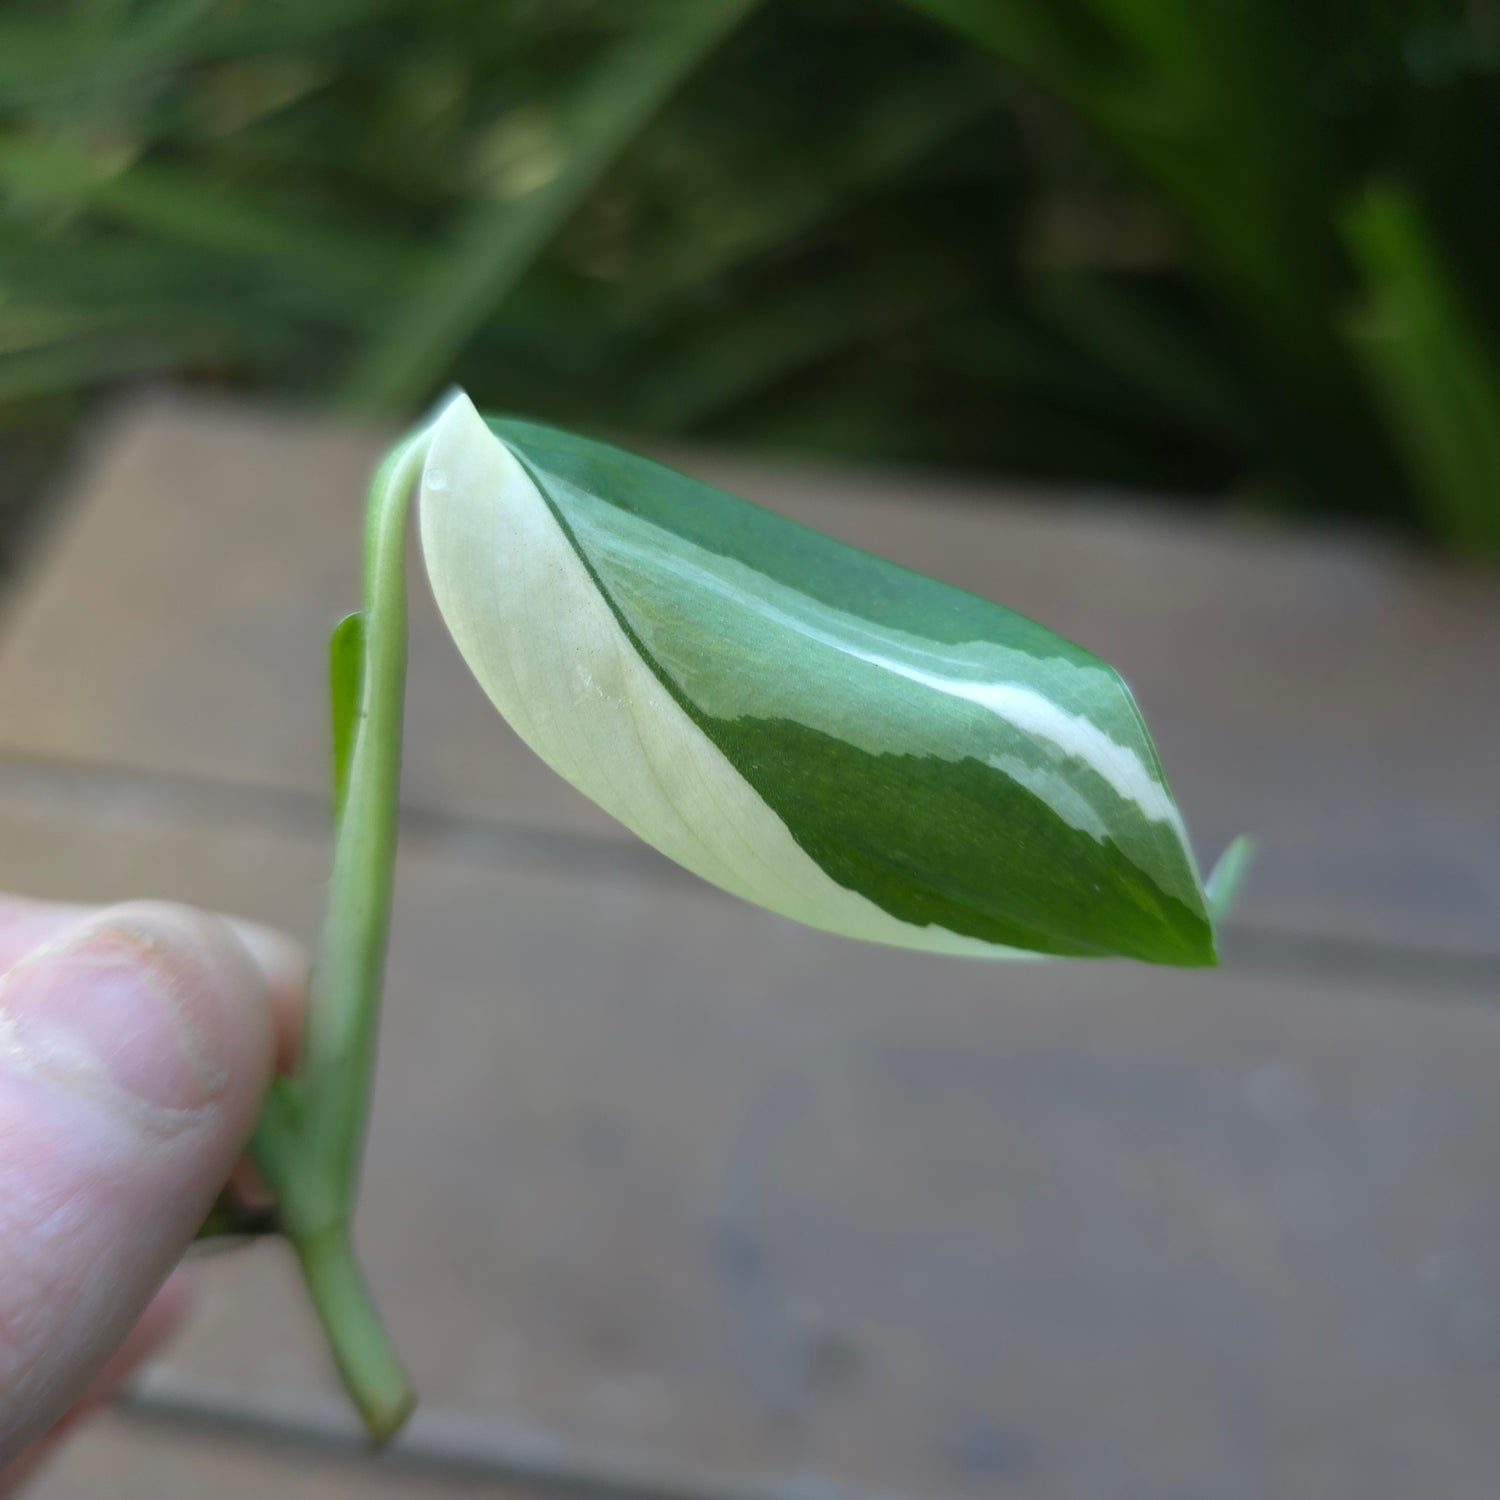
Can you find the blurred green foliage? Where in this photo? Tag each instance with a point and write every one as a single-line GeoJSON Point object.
{"type": "Point", "coordinates": [1187, 244]}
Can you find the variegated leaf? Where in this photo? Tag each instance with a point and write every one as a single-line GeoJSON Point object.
{"type": "Point", "coordinates": [820, 731]}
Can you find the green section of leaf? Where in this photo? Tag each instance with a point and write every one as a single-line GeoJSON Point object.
{"type": "Point", "coordinates": [953, 762]}
{"type": "Point", "coordinates": [1428, 361]}
{"type": "Point", "coordinates": [548, 177]}
{"type": "Point", "coordinates": [346, 653]}
{"type": "Point", "coordinates": [1227, 877]}
{"type": "Point", "coordinates": [773, 546]}
{"type": "Point", "coordinates": [954, 843]}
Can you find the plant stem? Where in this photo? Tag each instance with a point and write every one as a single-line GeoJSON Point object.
{"type": "Point", "coordinates": [310, 1138]}
{"type": "Point", "coordinates": [366, 1359]}
{"type": "Point", "coordinates": [349, 965]}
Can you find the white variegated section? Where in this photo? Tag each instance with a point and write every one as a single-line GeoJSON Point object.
{"type": "Point", "coordinates": [1051, 786]}
{"type": "Point", "coordinates": [550, 653]}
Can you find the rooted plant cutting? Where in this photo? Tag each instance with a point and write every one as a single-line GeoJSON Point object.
{"type": "Point", "coordinates": [820, 731]}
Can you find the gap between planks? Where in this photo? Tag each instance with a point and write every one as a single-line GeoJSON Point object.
{"type": "Point", "coordinates": [439, 1445]}
{"type": "Point", "coordinates": [133, 797]}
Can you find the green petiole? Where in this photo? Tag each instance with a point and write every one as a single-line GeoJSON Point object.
{"type": "Point", "coordinates": [310, 1139]}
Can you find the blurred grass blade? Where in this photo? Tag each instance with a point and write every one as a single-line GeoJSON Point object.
{"type": "Point", "coordinates": [65, 365]}
{"type": "Point", "coordinates": [811, 728]}
{"type": "Point", "coordinates": [1159, 357]}
{"type": "Point", "coordinates": [701, 380]}
{"type": "Point", "coordinates": [66, 53]}
{"type": "Point", "coordinates": [184, 208]}
{"type": "Point", "coordinates": [793, 196]}
{"type": "Point", "coordinates": [1049, 41]}
{"type": "Point", "coordinates": [1428, 361]}
{"type": "Point", "coordinates": [500, 240]}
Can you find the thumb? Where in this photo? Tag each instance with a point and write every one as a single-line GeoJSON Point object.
{"type": "Point", "coordinates": [135, 1051]}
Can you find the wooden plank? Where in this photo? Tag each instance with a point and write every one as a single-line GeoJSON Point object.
{"type": "Point", "coordinates": [176, 624]}
{"type": "Point", "coordinates": [1336, 698]}
{"type": "Point", "coordinates": [657, 1175]}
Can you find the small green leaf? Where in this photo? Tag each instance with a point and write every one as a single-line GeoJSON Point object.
{"type": "Point", "coordinates": [812, 728]}
{"type": "Point", "coordinates": [346, 650]}
{"type": "Point", "coordinates": [1227, 877]}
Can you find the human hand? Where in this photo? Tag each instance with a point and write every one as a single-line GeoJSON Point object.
{"type": "Point", "coordinates": [136, 1046]}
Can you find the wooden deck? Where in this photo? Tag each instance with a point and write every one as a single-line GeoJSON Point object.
{"type": "Point", "coordinates": [670, 1198]}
